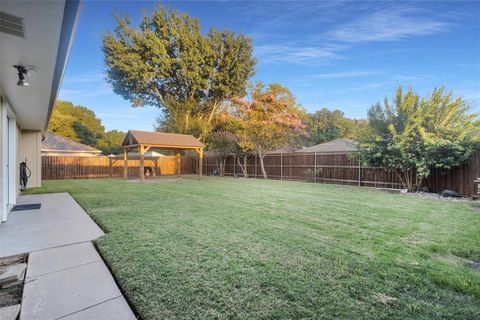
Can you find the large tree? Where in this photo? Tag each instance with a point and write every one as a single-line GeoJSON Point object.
{"type": "Point", "coordinates": [269, 120]}
{"type": "Point", "coordinates": [414, 135]}
{"type": "Point", "coordinates": [168, 63]}
{"type": "Point", "coordinates": [76, 122]}
{"type": "Point", "coordinates": [325, 125]}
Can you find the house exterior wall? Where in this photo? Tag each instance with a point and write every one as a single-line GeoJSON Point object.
{"type": "Point", "coordinates": [18, 135]}
{"type": "Point", "coordinates": [8, 158]}
{"type": "Point", "coordinates": [2, 160]}
{"type": "Point", "coordinates": [30, 149]}
{"type": "Point", "coordinates": [47, 44]}
{"type": "Point", "coordinates": [16, 145]}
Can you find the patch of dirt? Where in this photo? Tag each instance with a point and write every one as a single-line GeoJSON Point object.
{"type": "Point", "coordinates": [384, 299]}
{"type": "Point", "coordinates": [474, 264]}
{"type": "Point", "coordinates": [10, 296]}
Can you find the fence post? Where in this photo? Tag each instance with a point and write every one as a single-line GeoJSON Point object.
{"type": "Point", "coordinates": [255, 165]}
{"type": "Point", "coordinates": [315, 165]}
{"type": "Point", "coordinates": [234, 169]}
{"type": "Point", "coordinates": [281, 166]}
{"type": "Point", "coordinates": [359, 173]}
{"type": "Point", "coordinates": [206, 167]}
{"type": "Point", "coordinates": [110, 166]}
{"type": "Point", "coordinates": [334, 166]}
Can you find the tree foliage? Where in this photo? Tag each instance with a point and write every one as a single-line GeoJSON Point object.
{"type": "Point", "coordinates": [82, 125]}
{"type": "Point", "coordinates": [168, 63]}
{"type": "Point", "coordinates": [414, 135]}
{"type": "Point", "coordinates": [111, 142]}
{"type": "Point", "coordinates": [223, 144]}
{"type": "Point", "coordinates": [76, 122]}
{"type": "Point", "coordinates": [269, 120]}
{"type": "Point", "coordinates": [325, 125]}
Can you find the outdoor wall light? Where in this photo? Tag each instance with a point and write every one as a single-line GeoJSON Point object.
{"type": "Point", "coordinates": [23, 74]}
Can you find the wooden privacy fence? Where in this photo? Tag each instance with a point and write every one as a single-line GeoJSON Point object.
{"type": "Point", "coordinates": [337, 168]}
{"type": "Point", "coordinates": [77, 167]}
{"type": "Point", "coordinates": [344, 168]}
{"type": "Point", "coordinates": [460, 179]}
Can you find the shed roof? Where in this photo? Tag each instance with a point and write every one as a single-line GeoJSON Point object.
{"type": "Point", "coordinates": [161, 139]}
{"type": "Point", "coordinates": [341, 145]}
{"type": "Point", "coordinates": [53, 142]}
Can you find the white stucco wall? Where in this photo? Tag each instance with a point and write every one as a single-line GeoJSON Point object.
{"type": "Point", "coordinates": [30, 149]}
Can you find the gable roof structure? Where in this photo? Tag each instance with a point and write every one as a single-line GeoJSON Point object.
{"type": "Point", "coordinates": [136, 138]}
{"type": "Point", "coordinates": [147, 140]}
{"type": "Point", "coordinates": [340, 145]}
{"type": "Point", "coordinates": [56, 143]}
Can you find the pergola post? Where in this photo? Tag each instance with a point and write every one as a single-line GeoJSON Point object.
{"type": "Point", "coordinates": [200, 162]}
{"type": "Point", "coordinates": [125, 163]}
{"type": "Point", "coordinates": [141, 171]}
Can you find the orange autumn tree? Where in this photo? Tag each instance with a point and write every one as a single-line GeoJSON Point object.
{"type": "Point", "coordinates": [269, 120]}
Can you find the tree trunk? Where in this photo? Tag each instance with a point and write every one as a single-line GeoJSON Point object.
{"type": "Point", "coordinates": [410, 180]}
{"type": "Point", "coordinates": [244, 166]}
{"type": "Point", "coordinates": [403, 176]}
{"type": "Point", "coordinates": [260, 157]}
{"type": "Point", "coordinates": [221, 165]}
{"type": "Point", "coordinates": [223, 161]}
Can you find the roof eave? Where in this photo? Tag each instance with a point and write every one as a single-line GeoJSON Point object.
{"type": "Point", "coordinates": [71, 18]}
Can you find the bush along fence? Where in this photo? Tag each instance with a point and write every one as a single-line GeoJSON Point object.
{"type": "Point", "coordinates": [344, 168]}
{"type": "Point", "coordinates": [77, 167]}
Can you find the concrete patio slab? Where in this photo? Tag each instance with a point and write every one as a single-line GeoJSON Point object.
{"type": "Point", "coordinates": [10, 313]}
{"type": "Point", "coordinates": [66, 278]}
{"type": "Point", "coordinates": [60, 221]}
{"type": "Point", "coordinates": [65, 292]}
{"type": "Point", "coordinates": [61, 258]}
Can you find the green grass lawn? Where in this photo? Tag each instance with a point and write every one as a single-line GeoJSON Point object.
{"type": "Point", "coordinates": [244, 248]}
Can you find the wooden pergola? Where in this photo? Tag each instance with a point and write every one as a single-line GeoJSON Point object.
{"type": "Point", "coordinates": [145, 140]}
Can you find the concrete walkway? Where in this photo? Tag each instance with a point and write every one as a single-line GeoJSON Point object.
{"type": "Point", "coordinates": [66, 277]}
{"type": "Point", "coordinates": [59, 222]}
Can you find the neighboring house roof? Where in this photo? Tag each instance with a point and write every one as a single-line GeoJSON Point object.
{"type": "Point", "coordinates": [338, 145]}
{"type": "Point", "coordinates": [283, 150]}
{"type": "Point", "coordinates": [161, 139]}
{"type": "Point", "coordinates": [55, 143]}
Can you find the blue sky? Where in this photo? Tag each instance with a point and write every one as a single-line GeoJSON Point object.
{"type": "Point", "coordinates": [339, 55]}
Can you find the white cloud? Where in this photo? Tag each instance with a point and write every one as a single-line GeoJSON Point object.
{"type": "Point", "coordinates": [296, 53]}
{"type": "Point", "coordinates": [389, 24]}
{"type": "Point", "coordinates": [345, 74]}
{"type": "Point", "coordinates": [412, 78]}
